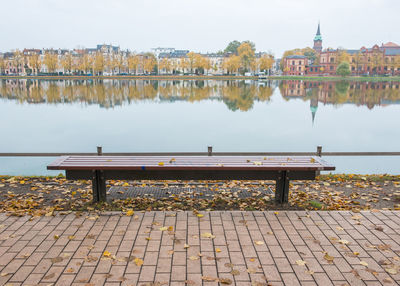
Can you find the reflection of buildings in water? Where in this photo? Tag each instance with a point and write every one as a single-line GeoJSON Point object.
{"type": "Point", "coordinates": [368, 94]}
{"type": "Point", "coordinates": [109, 93]}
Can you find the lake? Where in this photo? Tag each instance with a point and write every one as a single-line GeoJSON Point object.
{"type": "Point", "coordinates": [174, 116]}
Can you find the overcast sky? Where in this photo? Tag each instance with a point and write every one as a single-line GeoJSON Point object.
{"type": "Point", "coordinates": [198, 25]}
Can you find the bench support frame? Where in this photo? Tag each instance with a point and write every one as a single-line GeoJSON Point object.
{"type": "Point", "coordinates": [99, 178]}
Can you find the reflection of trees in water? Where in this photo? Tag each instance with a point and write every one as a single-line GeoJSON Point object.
{"type": "Point", "coordinates": [341, 92]}
{"type": "Point", "coordinates": [108, 93]}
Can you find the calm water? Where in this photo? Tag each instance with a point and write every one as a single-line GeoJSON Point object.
{"type": "Point", "coordinates": [143, 115]}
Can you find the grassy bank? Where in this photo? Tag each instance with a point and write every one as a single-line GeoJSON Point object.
{"type": "Point", "coordinates": [205, 77]}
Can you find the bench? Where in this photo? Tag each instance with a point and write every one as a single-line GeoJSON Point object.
{"type": "Point", "coordinates": [282, 169]}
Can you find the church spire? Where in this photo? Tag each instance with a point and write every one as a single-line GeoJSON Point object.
{"type": "Point", "coordinates": [318, 31]}
{"type": "Point", "coordinates": [318, 40]}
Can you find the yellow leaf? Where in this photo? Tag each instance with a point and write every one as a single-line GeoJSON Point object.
{"type": "Point", "coordinates": [392, 271]}
{"type": "Point", "coordinates": [130, 213]}
{"type": "Point", "coordinates": [207, 235]}
{"type": "Point", "coordinates": [160, 163]}
{"type": "Point", "coordinates": [71, 237]}
{"type": "Point", "coordinates": [301, 262]}
{"type": "Point", "coordinates": [364, 263]}
{"type": "Point", "coordinates": [276, 213]}
{"type": "Point", "coordinates": [193, 257]}
{"type": "Point", "coordinates": [138, 261]}
{"type": "Point", "coordinates": [148, 238]}
{"type": "Point", "coordinates": [328, 257]}
{"type": "Point", "coordinates": [106, 254]}
{"type": "Point", "coordinates": [186, 245]}
{"type": "Point", "coordinates": [257, 163]}
{"type": "Point", "coordinates": [164, 228]}
{"type": "Point", "coordinates": [22, 182]}
{"type": "Point", "coordinates": [200, 215]}
{"type": "Point", "coordinates": [4, 274]}
{"type": "Point", "coordinates": [56, 236]}
{"type": "Point", "coordinates": [73, 193]}
{"type": "Point", "coordinates": [125, 185]}
{"type": "Point", "coordinates": [170, 228]}
{"type": "Point", "coordinates": [217, 250]}
{"type": "Point", "coordinates": [312, 160]}
{"type": "Point", "coordinates": [258, 242]}
{"type": "Point", "coordinates": [343, 241]}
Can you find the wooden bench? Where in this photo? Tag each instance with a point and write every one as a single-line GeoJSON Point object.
{"type": "Point", "coordinates": [278, 168]}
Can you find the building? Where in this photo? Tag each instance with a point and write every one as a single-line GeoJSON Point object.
{"type": "Point", "coordinates": [295, 65]}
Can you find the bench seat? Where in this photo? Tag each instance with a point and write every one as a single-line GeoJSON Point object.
{"type": "Point", "coordinates": [278, 168]}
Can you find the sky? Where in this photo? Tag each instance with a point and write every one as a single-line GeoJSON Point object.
{"type": "Point", "coordinates": [200, 26]}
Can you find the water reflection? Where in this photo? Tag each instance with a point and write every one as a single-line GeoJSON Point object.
{"type": "Point", "coordinates": [237, 95]}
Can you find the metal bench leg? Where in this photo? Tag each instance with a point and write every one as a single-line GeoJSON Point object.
{"type": "Point", "coordinates": [282, 188]}
{"type": "Point", "coordinates": [99, 186]}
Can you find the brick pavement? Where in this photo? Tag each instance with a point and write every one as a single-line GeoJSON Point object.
{"type": "Point", "coordinates": [241, 248]}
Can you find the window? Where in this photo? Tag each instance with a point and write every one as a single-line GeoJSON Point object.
{"type": "Point", "coordinates": [332, 60]}
{"type": "Point", "coordinates": [293, 63]}
{"type": "Point", "coordinates": [299, 62]}
{"type": "Point", "coordinates": [331, 68]}
{"type": "Point", "coordinates": [311, 69]}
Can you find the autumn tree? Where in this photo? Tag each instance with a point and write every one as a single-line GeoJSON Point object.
{"type": "Point", "coordinates": [51, 61]}
{"type": "Point", "coordinates": [191, 57]}
{"type": "Point", "coordinates": [18, 60]}
{"type": "Point", "coordinates": [133, 63]}
{"type": "Point", "coordinates": [150, 63]}
{"type": "Point", "coordinates": [2, 65]}
{"type": "Point", "coordinates": [183, 64]}
{"type": "Point", "coordinates": [99, 63]}
{"type": "Point", "coordinates": [246, 54]}
{"type": "Point", "coordinates": [67, 62]}
{"type": "Point", "coordinates": [232, 64]}
{"type": "Point", "coordinates": [266, 62]}
{"type": "Point", "coordinates": [165, 64]}
{"type": "Point", "coordinates": [86, 63]}
{"type": "Point", "coordinates": [343, 56]}
{"type": "Point", "coordinates": [34, 62]}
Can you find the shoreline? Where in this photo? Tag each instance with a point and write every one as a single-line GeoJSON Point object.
{"type": "Point", "coordinates": [206, 77]}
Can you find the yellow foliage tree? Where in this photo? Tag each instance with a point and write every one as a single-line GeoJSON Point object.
{"type": "Point", "coordinates": [266, 62]}
{"type": "Point", "coordinates": [246, 55]}
{"type": "Point", "coordinates": [67, 62]}
{"type": "Point", "coordinates": [99, 63]}
{"type": "Point", "coordinates": [133, 63]}
{"type": "Point", "coordinates": [51, 61]}
{"type": "Point", "coordinates": [18, 60]}
{"type": "Point", "coordinates": [149, 64]}
{"type": "Point", "coordinates": [34, 62]}
{"type": "Point", "coordinates": [232, 64]}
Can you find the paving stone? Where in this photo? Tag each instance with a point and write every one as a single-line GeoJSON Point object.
{"type": "Point", "coordinates": [29, 254]}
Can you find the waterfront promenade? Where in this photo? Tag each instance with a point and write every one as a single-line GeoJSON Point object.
{"type": "Point", "coordinates": [206, 248]}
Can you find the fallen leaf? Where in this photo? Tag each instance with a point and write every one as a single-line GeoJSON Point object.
{"type": "Point", "coordinates": [378, 228]}
{"type": "Point", "coordinates": [225, 281]}
{"type": "Point", "coordinates": [4, 274]}
{"type": "Point", "coordinates": [217, 250]}
{"type": "Point", "coordinates": [56, 236]}
{"type": "Point", "coordinates": [106, 254]}
{"type": "Point", "coordinates": [186, 245]}
{"type": "Point", "coordinates": [392, 271]}
{"type": "Point", "coordinates": [235, 272]}
{"type": "Point", "coordinates": [207, 235]}
{"type": "Point", "coordinates": [71, 237]}
{"type": "Point", "coordinates": [328, 258]}
{"type": "Point", "coordinates": [364, 263]}
{"type": "Point", "coordinates": [164, 228]}
{"type": "Point", "coordinates": [130, 213]}
{"type": "Point", "coordinates": [49, 276]}
{"type": "Point", "coordinates": [138, 261]}
{"type": "Point", "coordinates": [309, 272]}
{"type": "Point", "coordinates": [258, 242]}
{"type": "Point", "coordinates": [56, 259]}
{"type": "Point", "coordinates": [301, 262]}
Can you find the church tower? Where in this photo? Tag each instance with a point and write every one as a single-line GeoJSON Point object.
{"type": "Point", "coordinates": [318, 41]}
